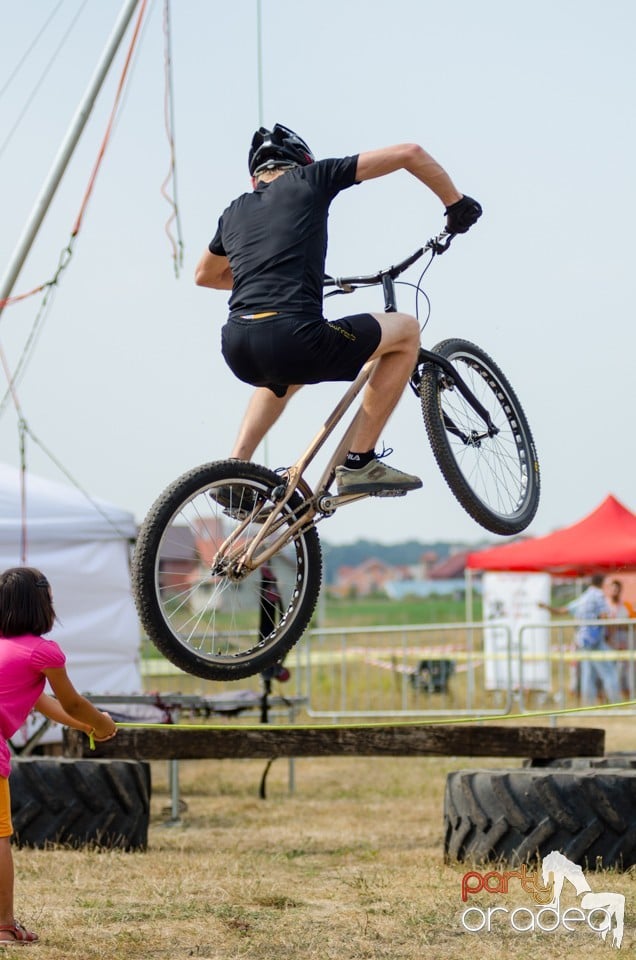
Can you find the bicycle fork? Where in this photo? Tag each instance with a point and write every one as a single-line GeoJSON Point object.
{"type": "Point", "coordinates": [454, 381]}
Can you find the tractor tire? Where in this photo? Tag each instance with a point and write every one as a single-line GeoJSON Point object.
{"type": "Point", "coordinates": [78, 803]}
{"type": "Point", "coordinates": [617, 761]}
{"type": "Point", "coordinates": [519, 816]}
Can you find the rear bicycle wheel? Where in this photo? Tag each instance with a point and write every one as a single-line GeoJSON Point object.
{"type": "Point", "coordinates": [206, 610]}
{"type": "Point", "coordinates": [494, 475]}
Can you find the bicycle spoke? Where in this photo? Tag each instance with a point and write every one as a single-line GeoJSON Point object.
{"type": "Point", "coordinates": [493, 468]}
{"type": "Point", "coordinates": [201, 598]}
{"type": "Point", "coordinates": [490, 467]}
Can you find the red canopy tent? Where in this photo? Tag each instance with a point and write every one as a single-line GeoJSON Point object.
{"type": "Point", "coordinates": [603, 541]}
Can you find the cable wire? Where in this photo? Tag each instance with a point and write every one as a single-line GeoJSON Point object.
{"type": "Point", "coordinates": [41, 80]}
{"type": "Point", "coordinates": [23, 426]}
{"type": "Point", "coordinates": [111, 119]}
{"type": "Point", "coordinates": [73, 480]}
{"type": "Point", "coordinates": [171, 176]}
{"type": "Point", "coordinates": [36, 326]}
{"type": "Point", "coordinates": [28, 51]}
{"type": "Point", "coordinates": [419, 292]}
{"type": "Point", "coordinates": [66, 253]}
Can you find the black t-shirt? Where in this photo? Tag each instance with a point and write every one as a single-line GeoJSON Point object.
{"type": "Point", "coordinates": [276, 239]}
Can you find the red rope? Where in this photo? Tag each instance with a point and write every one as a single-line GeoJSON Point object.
{"type": "Point", "coordinates": [107, 135]}
{"type": "Point", "coordinates": [21, 296]}
{"type": "Point", "coordinates": [63, 262]}
{"type": "Point", "coordinates": [7, 301]}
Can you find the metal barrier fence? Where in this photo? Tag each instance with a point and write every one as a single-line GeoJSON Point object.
{"type": "Point", "coordinates": [449, 669]}
{"type": "Point", "coordinates": [399, 671]}
{"type": "Point", "coordinates": [566, 658]}
{"type": "Point", "coordinates": [456, 669]}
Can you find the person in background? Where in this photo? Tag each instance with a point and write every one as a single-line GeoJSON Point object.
{"type": "Point", "coordinates": [592, 605]}
{"type": "Point", "coordinates": [27, 662]}
{"type": "Point", "coordinates": [618, 637]}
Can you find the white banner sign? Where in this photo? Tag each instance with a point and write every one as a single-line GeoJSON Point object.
{"type": "Point", "coordinates": [512, 599]}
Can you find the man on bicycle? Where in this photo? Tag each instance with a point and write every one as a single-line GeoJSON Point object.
{"type": "Point", "coordinates": [269, 250]}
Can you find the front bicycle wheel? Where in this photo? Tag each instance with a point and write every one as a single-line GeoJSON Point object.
{"type": "Point", "coordinates": [491, 469]}
{"type": "Point", "coordinates": [212, 607]}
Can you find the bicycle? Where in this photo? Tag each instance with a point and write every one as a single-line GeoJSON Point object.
{"type": "Point", "coordinates": [227, 567]}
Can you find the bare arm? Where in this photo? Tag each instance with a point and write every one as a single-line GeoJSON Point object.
{"type": "Point", "coordinates": [213, 271]}
{"type": "Point", "coordinates": [54, 711]}
{"type": "Point", "coordinates": [557, 611]}
{"type": "Point", "coordinates": [76, 707]}
{"type": "Point", "coordinates": [410, 157]}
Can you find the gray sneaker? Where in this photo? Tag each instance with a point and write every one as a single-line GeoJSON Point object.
{"type": "Point", "coordinates": [376, 477]}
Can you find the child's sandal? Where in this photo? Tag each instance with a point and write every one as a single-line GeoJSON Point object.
{"type": "Point", "coordinates": [19, 933]}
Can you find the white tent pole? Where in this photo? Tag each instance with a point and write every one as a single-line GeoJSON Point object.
{"type": "Point", "coordinates": [65, 152]}
{"type": "Point", "coordinates": [468, 594]}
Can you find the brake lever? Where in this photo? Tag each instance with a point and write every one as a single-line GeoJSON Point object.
{"type": "Point", "coordinates": [342, 287]}
{"type": "Point", "coordinates": [440, 243]}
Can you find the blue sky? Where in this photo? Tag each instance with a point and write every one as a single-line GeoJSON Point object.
{"type": "Point", "coordinates": [529, 107]}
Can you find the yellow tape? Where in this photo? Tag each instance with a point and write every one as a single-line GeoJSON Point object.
{"type": "Point", "coordinates": [529, 715]}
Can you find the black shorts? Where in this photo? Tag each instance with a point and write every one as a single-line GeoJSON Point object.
{"type": "Point", "coordinates": [283, 350]}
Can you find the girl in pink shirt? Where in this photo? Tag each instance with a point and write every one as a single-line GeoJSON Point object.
{"type": "Point", "coordinates": [27, 661]}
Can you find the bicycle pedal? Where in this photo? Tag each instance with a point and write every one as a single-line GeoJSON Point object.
{"type": "Point", "coordinates": [237, 514]}
{"type": "Point", "coordinates": [389, 493]}
{"type": "Point", "coordinates": [240, 514]}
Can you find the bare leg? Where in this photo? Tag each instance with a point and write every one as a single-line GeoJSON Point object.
{"type": "Point", "coordinates": [6, 886]}
{"type": "Point", "coordinates": [396, 354]}
{"type": "Point", "coordinates": [262, 412]}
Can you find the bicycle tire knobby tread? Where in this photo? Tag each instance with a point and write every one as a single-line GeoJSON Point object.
{"type": "Point", "coordinates": [486, 515]}
{"type": "Point", "coordinates": [143, 576]}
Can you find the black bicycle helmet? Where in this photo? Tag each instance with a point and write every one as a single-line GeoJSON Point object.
{"type": "Point", "coordinates": [277, 147]}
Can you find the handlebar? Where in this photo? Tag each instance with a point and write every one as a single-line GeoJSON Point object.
{"type": "Point", "coordinates": [437, 245]}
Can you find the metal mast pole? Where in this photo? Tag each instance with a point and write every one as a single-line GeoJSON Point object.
{"type": "Point", "coordinates": [65, 152]}
{"type": "Point", "coordinates": [259, 60]}
{"type": "Point", "coordinates": [259, 86]}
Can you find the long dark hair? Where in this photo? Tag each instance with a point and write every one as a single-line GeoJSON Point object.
{"type": "Point", "coordinates": [25, 602]}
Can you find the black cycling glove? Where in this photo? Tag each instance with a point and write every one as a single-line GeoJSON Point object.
{"type": "Point", "coordinates": [460, 216]}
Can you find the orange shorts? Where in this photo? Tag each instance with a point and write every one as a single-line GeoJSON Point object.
{"type": "Point", "coordinates": [6, 827]}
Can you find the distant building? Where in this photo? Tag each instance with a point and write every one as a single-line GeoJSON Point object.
{"type": "Point", "coordinates": [376, 576]}
{"type": "Point", "coordinates": [368, 577]}
{"type": "Point", "coordinates": [451, 568]}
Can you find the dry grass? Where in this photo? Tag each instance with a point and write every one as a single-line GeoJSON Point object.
{"type": "Point", "coordinates": [349, 868]}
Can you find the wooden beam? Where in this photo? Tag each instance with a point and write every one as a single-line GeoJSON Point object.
{"type": "Point", "coordinates": [461, 740]}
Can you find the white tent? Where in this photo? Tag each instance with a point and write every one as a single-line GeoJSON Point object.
{"type": "Point", "coordinates": [83, 548]}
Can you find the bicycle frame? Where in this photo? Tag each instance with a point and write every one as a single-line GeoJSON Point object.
{"type": "Point", "coordinates": [321, 501]}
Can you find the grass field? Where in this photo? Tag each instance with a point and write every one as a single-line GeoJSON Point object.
{"type": "Point", "coordinates": [348, 868]}
{"type": "Point", "coordinates": [371, 611]}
